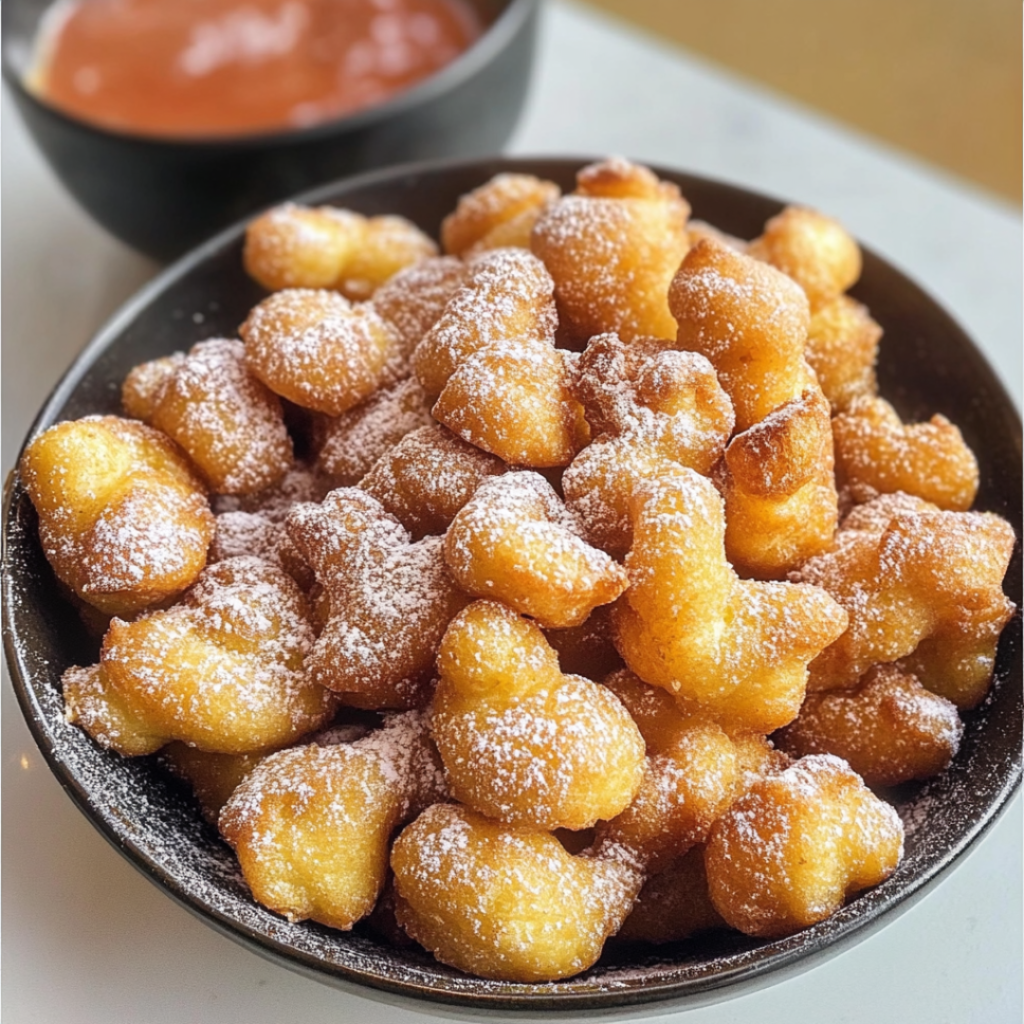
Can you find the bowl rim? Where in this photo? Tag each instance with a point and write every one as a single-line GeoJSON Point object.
{"type": "Point", "coordinates": [470, 62]}
{"type": "Point", "coordinates": [770, 962]}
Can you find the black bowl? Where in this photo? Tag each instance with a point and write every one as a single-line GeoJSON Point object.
{"type": "Point", "coordinates": [164, 196]}
{"type": "Point", "coordinates": [927, 364]}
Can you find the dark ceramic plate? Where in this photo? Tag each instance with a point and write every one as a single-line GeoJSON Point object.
{"type": "Point", "coordinates": [927, 365]}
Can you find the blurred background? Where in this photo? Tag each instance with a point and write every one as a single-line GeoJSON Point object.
{"type": "Point", "coordinates": [939, 78]}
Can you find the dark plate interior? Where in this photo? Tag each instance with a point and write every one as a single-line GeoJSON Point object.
{"type": "Point", "coordinates": [927, 365]}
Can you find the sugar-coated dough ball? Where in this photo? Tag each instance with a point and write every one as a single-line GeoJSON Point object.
{"type": "Point", "coordinates": [781, 505]}
{"type": "Point", "coordinates": [123, 517]}
{"type": "Point", "coordinates": [311, 825]}
{"type": "Point", "coordinates": [842, 348]}
{"type": "Point", "coordinates": [505, 902]}
{"type": "Point", "coordinates": [612, 248]}
{"type": "Point", "coordinates": [498, 214]}
{"type": "Point", "coordinates": [814, 250]}
{"type": "Point", "coordinates": [229, 422]}
{"type": "Point", "coordinates": [390, 600]}
{"type": "Point", "coordinates": [520, 741]}
{"type": "Point", "coordinates": [213, 777]}
{"type": "Point", "coordinates": [790, 850]}
{"type": "Point", "coordinates": [737, 649]}
{"type": "Point", "coordinates": [515, 542]}
{"type": "Point", "coordinates": [316, 349]}
{"type": "Point", "coordinates": [222, 669]}
{"type": "Point", "coordinates": [91, 703]}
{"type": "Point", "coordinates": [749, 320]}
{"type": "Point", "coordinates": [889, 728]}
{"type": "Point", "coordinates": [876, 453]}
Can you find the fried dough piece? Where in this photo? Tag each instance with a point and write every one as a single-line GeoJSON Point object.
{"type": "Point", "coordinates": [229, 422]}
{"type": "Point", "coordinates": [412, 302]}
{"type": "Point", "coordinates": [790, 850]}
{"type": "Point", "coordinates": [612, 248]}
{"type": "Point", "coordinates": [749, 320]}
{"type": "Point", "coordinates": [293, 246]}
{"type": "Point", "coordinates": [502, 901]}
{"type": "Point", "coordinates": [428, 476]}
{"type": "Point", "coordinates": [145, 383]}
{"type": "Point", "coordinates": [318, 350]}
{"type": "Point", "coordinates": [507, 294]}
{"type": "Point", "coordinates": [737, 649]}
{"type": "Point", "coordinates": [355, 440]}
{"type": "Point", "coordinates": [646, 404]}
{"type": "Point", "coordinates": [515, 541]}
{"type": "Point", "coordinates": [123, 518]}
{"type": "Point", "coordinates": [842, 348]}
{"type": "Point", "coordinates": [877, 454]}
{"type": "Point", "coordinates": [781, 505]}
{"type": "Point", "coordinates": [499, 214]}
{"type": "Point", "coordinates": [520, 741]}
{"type": "Point", "coordinates": [311, 825]}
{"type": "Point", "coordinates": [673, 904]}
{"type": "Point", "coordinates": [213, 777]}
{"type": "Point", "coordinates": [814, 250]}
{"type": "Point", "coordinates": [909, 573]}
{"type": "Point", "coordinates": [889, 728]}
{"type": "Point", "coordinates": [390, 600]}
{"type": "Point", "coordinates": [512, 399]}
{"type": "Point", "coordinates": [221, 670]}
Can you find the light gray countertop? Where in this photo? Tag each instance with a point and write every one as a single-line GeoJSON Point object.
{"type": "Point", "coordinates": [89, 940]}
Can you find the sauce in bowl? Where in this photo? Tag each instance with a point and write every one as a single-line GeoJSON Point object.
{"type": "Point", "coordinates": [227, 67]}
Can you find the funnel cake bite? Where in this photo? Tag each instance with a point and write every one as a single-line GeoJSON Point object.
{"type": "Point", "coordinates": [750, 321]}
{"type": "Point", "coordinates": [737, 649]}
{"type": "Point", "coordinates": [515, 541]}
{"type": "Point", "coordinates": [293, 246]}
{"type": "Point", "coordinates": [229, 422]}
{"type": "Point", "coordinates": [316, 349]}
{"type": "Point", "coordinates": [521, 742]}
{"type": "Point", "coordinates": [920, 582]}
{"type": "Point", "coordinates": [123, 518]}
{"type": "Point", "coordinates": [790, 850]}
{"type": "Point", "coordinates": [311, 825]}
{"type": "Point", "coordinates": [502, 901]}
{"type": "Point", "coordinates": [842, 348]}
{"type": "Point", "coordinates": [877, 454]}
{"type": "Point", "coordinates": [612, 248]}
{"type": "Point", "coordinates": [646, 405]}
{"type": "Point", "coordinates": [221, 670]}
{"type": "Point", "coordinates": [390, 600]}
{"type": "Point", "coordinates": [508, 294]}
{"type": "Point", "coordinates": [498, 214]}
{"type": "Point", "coordinates": [781, 505]}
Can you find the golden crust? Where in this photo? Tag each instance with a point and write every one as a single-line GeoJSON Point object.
{"type": "Point", "coordinates": [842, 347]}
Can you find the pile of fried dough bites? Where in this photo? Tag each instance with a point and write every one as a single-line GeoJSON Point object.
{"type": "Point", "coordinates": [573, 583]}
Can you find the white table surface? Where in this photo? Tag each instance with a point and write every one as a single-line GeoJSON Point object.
{"type": "Point", "coordinates": [90, 941]}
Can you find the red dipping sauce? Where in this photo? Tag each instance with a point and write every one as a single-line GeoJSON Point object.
{"type": "Point", "coordinates": [227, 67]}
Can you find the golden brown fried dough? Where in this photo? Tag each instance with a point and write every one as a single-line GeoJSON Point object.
{"type": "Point", "coordinates": [507, 295]}
{"type": "Point", "coordinates": [521, 742]}
{"type": "Point", "coordinates": [790, 850]}
{"type": "Point", "coordinates": [842, 347]}
{"type": "Point", "coordinates": [390, 600]}
{"type": "Point", "coordinates": [781, 505]}
{"type": "Point", "coordinates": [222, 669]}
{"type": "Point", "coordinates": [909, 573]}
{"type": "Point", "coordinates": [612, 248]}
{"type": "Point", "coordinates": [889, 728]}
{"type": "Point", "coordinates": [515, 541]}
{"type": "Point", "coordinates": [229, 422]}
{"type": "Point", "coordinates": [737, 649]}
{"type": "Point", "coordinates": [428, 476]}
{"type": "Point", "coordinates": [294, 246]}
{"type": "Point", "coordinates": [498, 214]}
{"type": "Point", "coordinates": [311, 825]}
{"type": "Point", "coordinates": [877, 454]}
{"type": "Point", "coordinates": [502, 901]}
{"type": "Point", "coordinates": [213, 777]}
{"type": "Point", "coordinates": [750, 321]}
{"type": "Point", "coordinates": [318, 350]}
{"type": "Point", "coordinates": [812, 249]}
{"type": "Point", "coordinates": [123, 517]}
